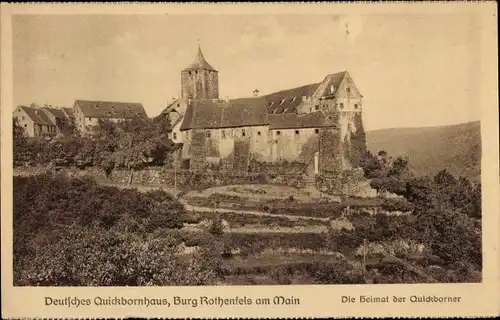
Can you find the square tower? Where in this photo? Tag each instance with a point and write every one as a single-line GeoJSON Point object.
{"type": "Point", "coordinates": [200, 80]}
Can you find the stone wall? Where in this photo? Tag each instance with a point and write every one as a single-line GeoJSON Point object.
{"type": "Point", "coordinates": [348, 182]}
{"type": "Point", "coordinates": [200, 84]}
{"type": "Point", "coordinates": [168, 177]}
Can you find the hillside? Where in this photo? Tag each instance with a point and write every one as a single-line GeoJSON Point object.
{"type": "Point", "coordinates": [430, 149]}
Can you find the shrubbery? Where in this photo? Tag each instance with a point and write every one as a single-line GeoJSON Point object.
{"type": "Point", "coordinates": [75, 232]}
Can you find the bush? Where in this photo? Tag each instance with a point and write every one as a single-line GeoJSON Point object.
{"type": "Point", "coordinates": [96, 257]}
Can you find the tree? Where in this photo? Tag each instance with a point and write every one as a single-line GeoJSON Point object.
{"type": "Point", "coordinates": [420, 192]}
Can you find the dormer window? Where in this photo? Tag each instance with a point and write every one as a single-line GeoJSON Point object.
{"type": "Point", "coordinates": [332, 89]}
{"type": "Point", "coordinates": [304, 98]}
{"type": "Point", "coordinates": [112, 106]}
{"type": "Point", "coordinates": [293, 99]}
{"type": "Point", "coordinates": [96, 106]}
{"type": "Point", "coordinates": [275, 110]}
{"type": "Point", "coordinates": [271, 103]}
{"type": "Point", "coordinates": [282, 101]}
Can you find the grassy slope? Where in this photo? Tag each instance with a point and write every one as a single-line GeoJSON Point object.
{"type": "Point", "coordinates": [430, 149]}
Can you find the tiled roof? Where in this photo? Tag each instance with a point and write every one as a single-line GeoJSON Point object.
{"type": "Point", "coordinates": [58, 113]}
{"type": "Point", "coordinates": [110, 109]}
{"type": "Point", "coordinates": [291, 121]}
{"type": "Point", "coordinates": [209, 114]}
{"type": "Point", "coordinates": [334, 79]}
{"type": "Point", "coordinates": [200, 62]}
{"type": "Point", "coordinates": [69, 112]}
{"type": "Point", "coordinates": [286, 101]}
{"type": "Point", "coordinates": [38, 116]}
{"type": "Point", "coordinates": [205, 114]}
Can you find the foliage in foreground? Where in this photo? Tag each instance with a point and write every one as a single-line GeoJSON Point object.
{"type": "Point", "coordinates": [75, 232]}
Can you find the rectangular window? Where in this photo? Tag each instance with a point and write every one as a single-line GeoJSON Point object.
{"type": "Point", "coordinates": [22, 117]}
{"type": "Point", "coordinates": [223, 133]}
{"type": "Point", "coordinates": [316, 107]}
{"type": "Point", "coordinates": [355, 106]}
{"type": "Point", "coordinates": [243, 132]}
{"type": "Point", "coordinates": [208, 134]}
{"type": "Point", "coordinates": [278, 133]}
{"type": "Point", "coordinates": [296, 132]}
{"type": "Point", "coordinates": [258, 133]}
{"type": "Point", "coordinates": [187, 134]}
{"type": "Point", "coordinates": [25, 125]}
{"type": "Point", "coordinates": [316, 131]}
{"type": "Point", "coordinates": [175, 135]}
{"type": "Point", "coordinates": [341, 105]}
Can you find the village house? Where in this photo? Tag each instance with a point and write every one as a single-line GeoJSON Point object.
{"type": "Point", "coordinates": [312, 124]}
{"type": "Point", "coordinates": [59, 116]}
{"type": "Point", "coordinates": [35, 121]}
{"type": "Point", "coordinates": [87, 113]}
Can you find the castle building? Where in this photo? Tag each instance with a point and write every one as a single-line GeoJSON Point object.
{"type": "Point", "coordinates": [319, 124]}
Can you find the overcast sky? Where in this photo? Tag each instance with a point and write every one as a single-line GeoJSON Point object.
{"type": "Point", "coordinates": [413, 70]}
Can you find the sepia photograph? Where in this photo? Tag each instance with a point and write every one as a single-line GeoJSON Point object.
{"type": "Point", "coordinates": [202, 150]}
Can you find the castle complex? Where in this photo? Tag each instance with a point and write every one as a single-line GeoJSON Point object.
{"type": "Point", "coordinates": [318, 124]}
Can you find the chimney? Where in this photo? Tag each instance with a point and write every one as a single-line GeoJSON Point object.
{"type": "Point", "coordinates": [256, 92]}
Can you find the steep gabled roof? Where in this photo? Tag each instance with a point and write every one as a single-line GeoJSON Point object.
{"type": "Point", "coordinates": [58, 113]}
{"type": "Point", "coordinates": [38, 116]}
{"type": "Point", "coordinates": [110, 109]}
{"type": "Point", "coordinates": [293, 121]}
{"type": "Point", "coordinates": [334, 80]}
{"type": "Point", "coordinates": [206, 114]}
{"type": "Point", "coordinates": [287, 101]}
{"type": "Point", "coordinates": [69, 112]}
{"type": "Point", "coordinates": [199, 62]}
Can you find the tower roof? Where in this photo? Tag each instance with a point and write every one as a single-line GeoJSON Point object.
{"type": "Point", "coordinates": [200, 62]}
